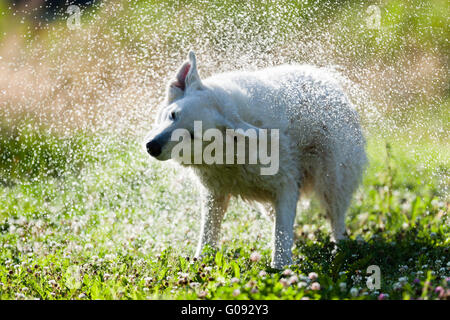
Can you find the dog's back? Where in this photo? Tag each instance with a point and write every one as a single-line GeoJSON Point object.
{"type": "Point", "coordinates": [285, 96]}
{"type": "Point", "coordinates": [305, 102]}
{"type": "Point", "coordinates": [324, 144]}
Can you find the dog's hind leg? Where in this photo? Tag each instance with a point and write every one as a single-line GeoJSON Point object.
{"type": "Point", "coordinates": [213, 210]}
{"type": "Point", "coordinates": [336, 210]}
{"type": "Point", "coordinates": [285, 210]}
{"type": "Point", "coordinates": [335, 199]}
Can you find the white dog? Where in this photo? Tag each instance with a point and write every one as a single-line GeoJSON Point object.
{"type": "Point", "coordinates": [321, 145]}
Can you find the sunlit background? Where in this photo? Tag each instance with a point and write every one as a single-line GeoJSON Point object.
{"type": "Point", "coordinates": [80, 81]}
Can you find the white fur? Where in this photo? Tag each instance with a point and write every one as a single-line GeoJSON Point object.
{"type": "Point", "coordinates": [321, 144]}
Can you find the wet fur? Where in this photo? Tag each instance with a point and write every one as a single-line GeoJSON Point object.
{"type": "Point", "coordinates": [322, 148]}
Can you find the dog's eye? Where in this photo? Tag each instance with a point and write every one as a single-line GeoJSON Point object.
{"type": "Point", "coordinates": [173, 116]}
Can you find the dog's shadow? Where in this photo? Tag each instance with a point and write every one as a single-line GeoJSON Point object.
{"type": "Point", "coordinates": [397, 254]}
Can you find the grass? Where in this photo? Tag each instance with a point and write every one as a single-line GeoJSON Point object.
{"type": "Point", "coordinates": [124, 227]}
{"type": "Point", "coordinates": [84, 213]}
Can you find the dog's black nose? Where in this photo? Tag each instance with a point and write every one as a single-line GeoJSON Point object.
{"type": "Point", "coordinates": [153, 148]}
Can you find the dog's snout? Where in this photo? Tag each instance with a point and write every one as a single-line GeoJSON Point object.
{"type": "Point", "coordinates": [153, 148]}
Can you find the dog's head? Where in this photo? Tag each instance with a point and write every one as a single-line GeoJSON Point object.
{"type": "Point", "coordinates": [188, 103]}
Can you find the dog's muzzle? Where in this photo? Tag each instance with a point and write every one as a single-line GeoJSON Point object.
{"type": "Point", "coordinates": [153, 148]}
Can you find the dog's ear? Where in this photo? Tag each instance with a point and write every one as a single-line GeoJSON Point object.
{"type": "Point", "coordinates": [192, 79]}
{"type": "Point", "coordinates": [187, 77]}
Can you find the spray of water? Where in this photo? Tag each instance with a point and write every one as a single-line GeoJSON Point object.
{"type": "Point", "coordinates": [94, 77]}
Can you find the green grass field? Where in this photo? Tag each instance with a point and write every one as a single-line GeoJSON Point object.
{"type": "Point", "coordinates": [118, 225]}
{"type": "Point", "coordinates": [86, 214]}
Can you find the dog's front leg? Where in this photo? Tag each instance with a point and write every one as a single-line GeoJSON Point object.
{"type": "Point", "coordinates": [283, 237]}
{"type": "Point", "coordinates": [213, 210]}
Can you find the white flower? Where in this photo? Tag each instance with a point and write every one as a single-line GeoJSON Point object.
{"type": "Point", "coordinates": [397, 286]}
{"type": "Point", "coordinates": [284, 282]}
{"type": "Point", "coordinates": [255, 256]}
{"type": "Point", "coordinates": [148, 280]}
{"type": "Point", "coordinates": [315, 286]}
{"type": "Point", "coordinates": [236, 292]}
{"type": "Point", "coordinates": [293, 279]}
{"type": "Point", "coordinates": [403, 280]}
{"type": "Point", "coordinates": [354, 292]}
{"type": "Point", "coordinates": [288, 272]}
{"type": "Point", "coordinates": [403, 268]}
{"type": "Point", "coordinates": [20, 296]}
{"type": "Point", "coordinates": [312, 276]}
{"type": "Point", "coordinates": [262, 273]}
{"type": "Point", "coordinates": [234, 280]}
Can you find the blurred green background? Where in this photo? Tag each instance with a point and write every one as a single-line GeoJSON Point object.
{"type": "Point", "coordinates": [397, 52]}
{"type": "Point", "coordinates": [76, 100]}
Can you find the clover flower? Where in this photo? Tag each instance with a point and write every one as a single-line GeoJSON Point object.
{"type": "Point", "coordinates": [234, 280]}
{"type": "Point", "coordinates": [255, 256]}
{"type": "Point", "coordinates": [293, 279]}
{"type": "Point", "coordinates": [382, 296]}
{"type": "Point", "coordinates": [262, 273]}
{"type": "Point", "coordinates": [440, 291]}
{"type": "Point", "coordinates": [312, 276]}
{"type": "Point", "coordinates": [287, 272]}
{"type": "Point", "coordinates": [284, 282]}
{"type": "Point", "coordinates": [403, 280]}
{"type": "Point", "coordinates": [397, 286]}
{"type": "Point", "coordinates": [315, 286]}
